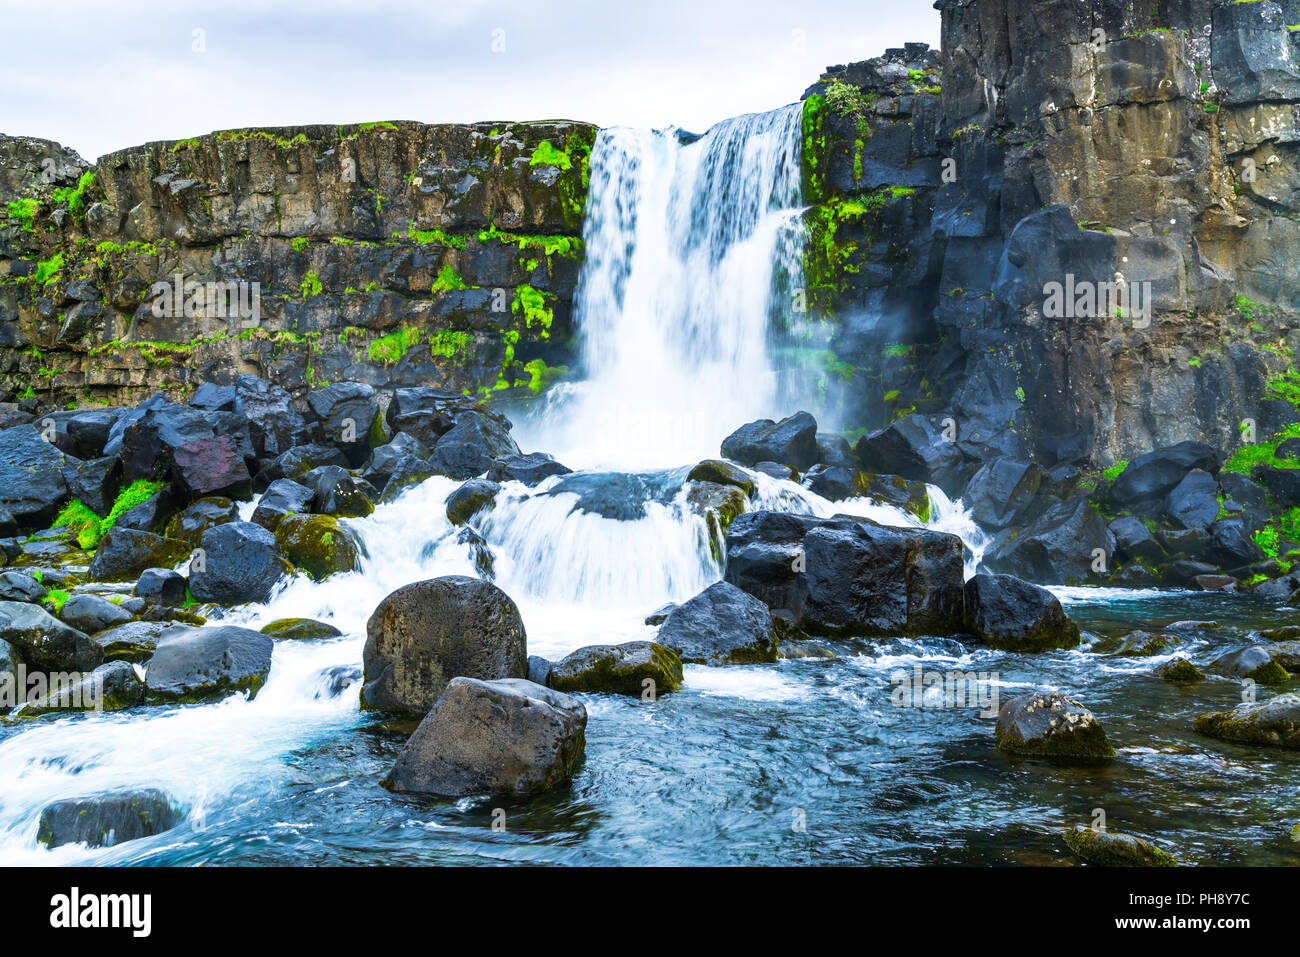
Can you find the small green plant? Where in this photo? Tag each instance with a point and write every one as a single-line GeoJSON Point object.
{"type": "Point", "coordinates": [547, 155]}
{"type": "Point", "coordinates": [56, 598]}
{"type": "Point", "coordinates": [1116, 470]}
{"type": "Point", "coordinates": [311, 285]}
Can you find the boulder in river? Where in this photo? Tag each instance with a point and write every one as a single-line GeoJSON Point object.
{"type": "Point", "coordinates": [292, 628]}
{"type": "Point", "coordinates": [916, 448]}
{"type": "Point", "coordinates": [1014, 615]}
{"type": "Point", "coordinates": [471, 446]}
{"type": "Point", "coordinates": [318, 545]}
{"type": "Point", "coordinates": [427, 633]}
{"type": "Point", "coordinates": [632, 668]}
{"type": "Point", "coordinates": [1178, 671]}
{"type": "Point", "coordinates": [1051, 725]}
{"type": "Point", "coordinates": [45, 643]}
{"type": "Point", "coordinates": [722, 473]}
{"type": "Point", "coordinates": [1108, 849]}
{"type": "Point", "coordinates": [722, 625]}
{"type": "Point", "coordinates": [240, 562]}
{"type": "Point", "coordinates": [1001, 491]}
{"type": "Point", "coordinates": [198, 664]}
{"type": "Point", "coordinates": [472, 497]}
{"type": "Point", "coordinates": [509, 736]}
{"type": "Point", "coordinates": [108, 819]}
{"type": "Point", "coordinates": [113, 686]}
{"type": "Point", "coordinates": [1254, 662]}
{"type": "Point", "coordinates": [135, 641]}
{"type": "Point", "coordinates": [531, 469]}
{"type": "Point", "coordinates": [282, 497]}
{"type": "Point", "coordinates": [1274, 723]}
{"type": "Point", "coordinates": [792, 442]}
{"type": "Point", "coordinates": [338, 492]}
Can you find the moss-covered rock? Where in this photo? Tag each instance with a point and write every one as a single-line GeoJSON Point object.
{"type": "Point", "coordinates": [1274, 723]}
{"type": "Point", "coordinates": [1051, 725]}
{"type": "Point", "coordinates": [1143, 644]}
{"type": "Point", "coordinates": [1178, 671]}
{"type": "Point", "coordinates": [722, 473]}
{"type": "Point", "coordinates": [126, 552]}
{"type": "Point", "coordinates": [619, 669]}
{"type": "Point", "coordinates": [299, 628]}
{"type": "Point", "coordinates": [318, 545]}
{"type": "Point", "coordinates": [1105, 849]}
{"type": "Point", "coordinates": [1255, 663]}
{"type": "Point", "coordinates": [718, 505]}
{"type": "Point", "coordinates": [469, 499]}
{"type": "Point", "coordinates": [189, 524]}
{"type": "Point", "coordinates": [895, 490]}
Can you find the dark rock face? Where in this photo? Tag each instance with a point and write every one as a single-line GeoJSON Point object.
{"type": "Point", "coordinates": [345, 411]}
{"type": "Point", "coordinates": [190, 523]}
{"type": "Point", "coordinates": [615, 495]}
{"type": "Point", "coordinates": [427, 633]}
{"type": "Point", "coordinates": [1060, 547]}
{"type": "Point", "coordinates": [1158, 473]}
{"type": "Point", "coordinates": [530, 469]}
{"type": "Point", "coordinates": [125, 552]}
{"type": "Point", "coordinates": [917, 449]}
{"type": "Point", "coordinates": [161, 585]}
{"type": "Point", "coordinates": [1051, 725]}
{"type": "Point", "coordinates": [844, 576]}
{"type": "Point", "coordinates": [199, 664]}
{"type": "Point", "coordinates": [109, 819]}
{"type": "Point", "coordinates": [94, 482]}
{"type": "Point", "coordinates": [1000, 492]}
{"type": "Point", "coordinates": [337, 492]}
{"type": "Point", "coordinates": [211, 466]}
{"type": "Point", "coordinates": [45, 643]}
{"type": "Point", "coordinates": [19, 586]}
{"type": "Point", "coordinates": [471, 446]}
{"type": "Point", "coordinates": [135, 641]}
{"type": "Point", "coordinates": [32, 486]}
{"type": "Point", "coordinates": [722, 625]}
{"type": "Point", "coordinates": [792, 442]}
{"type": "Point", "coordinates": [282, 498]}
{"type": "Point", "coordinates": [241, 562]}
{"type": "Point", "coordinates": [493, 737]}
{"type": "Point", "coordinates": [1014, 615]}
{"type": "Point", "coordinates": [635, 668]}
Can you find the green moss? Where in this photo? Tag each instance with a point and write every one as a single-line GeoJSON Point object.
{"type": "Point", "coordinates": [81, 522]}
{"type": "Point", "coordinates": [531, 304]}
{"type": "Point", "coordinates": [311, 285]}
{"type": "Point", "coordinates": [75, 196]}
{"type": "Point", "coordinates": [431, 237]}
{"type": "Point", "coordinates": [56, 598]}
{"type": "Point", "coordinates": [24, 211]}
{"type": "Point", "coordinates": [554, 245]}
{"type": "Point", "coordinates": [390, 348]}
{"type": "Point", "coordinates": [547, 155]}
{"type": "Point", "coordinates": [540, 375]}
{"type": "Point", "coordinates": [447, 281]}
{"type": "Point", "coordinates": [1107, 849]}
{"type": "Point", "coordinates": [47, 270]}
{"type": "Point", "coordinates": [1116, 470]}
{"type": "Point", "coordinates": [138, 492]}
{"type": "Point", "coordinates": [300, 243]}
{"type": "Point", "coordinates": [1248, 457]}
{"type": "Point", "coordinates": [815, 153]}
{"type": "Point", "coordinates": [449, 343]}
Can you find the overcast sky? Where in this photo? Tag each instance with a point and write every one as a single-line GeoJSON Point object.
{"type": "Point", "coordinates": [101, 76]}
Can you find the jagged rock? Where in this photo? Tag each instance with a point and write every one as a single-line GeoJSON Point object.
{"type": "Point", "coordinates": [1143, 644]}
{"type": "Point", "coordinates": [1156, 474]}
{"type": "Point", "coordinates": [916, 449]}
{"type": "Point", "coordinates": [89, 429]}
{"type": "Point", "coordinates": [1284, 484]}
{"type": "Point", "coordinates": [1272, 723]}
{"type": "Point", "coordinates": [720, 626]}
{"type": "Point", "coordinates": [1133, 540]}
{"type": "Point", "coordinates": [241, 562]}
{"type": "Point", "coordinates": [126, 552]}
{"type": "Point", "coordinates": [469, 499]}
{"type": "Point", "coordinates": [471, 446]}
{"type": "Point", "coordinates": [1014, 615]}
{"type": "Point", "coordinates": [1058, 548]}
{"type": "Point", "coordinates": [114, 686]}
{"type": "Point", "coordinates": [619, 669]}
{"type": "Point", "coordinates": [1000, 492]}
{"type": "Point", "coordinates": [895, 490]}
{"type": "Point", "coordinates": [199, 664]}
{"type": "Point", "coordinates": [135, 641]}
{"type": "Point", "coordinates": [282, 498]}
{"type": "Point", "coordinates": [1051, 725]}
{"type": "Point", "coordinates": [211, 466]}
{"type": "Point", "coordinates": [1107, 849]}
{"type": "Point", "coordinates": [426, 633]}
{"type": "Point", "coordinates": [832, 482]}
{"type": "Point", "coordinates": [32, 486]}
{"type": "Point", "coordinates": [20, 586]}
{"type": "Point", "coordinates": [294, 628]}
{"type": "Point", "coordinates": [792, 442]}
{"type": "Point", "coordinates": [274, 421]}
{"type": "Point", "coordinates": [531, 469]}
{"type": "Point", "coordinates": [296, 462]}
{"type": "Point", "coordinates": [210, 397]}
{"type": "Point", "coordinates": [94, 482]}
{"type": "Point", "coordinates": [149, 443]}
{"type": "Point", "coordinates": [90, 613]}
{"type": "Point", "coordinates": [539, 670]}
{"type": "Point", "coordinates": [660, 614]}
{"type": "Point", "coordinates": [509, 736]}
{"type": "Point", "coordinates": [403, 450]}
{"type": "Point", "coordinates": [336, 492]}
{"type": "Point", "coordinates": [1194, 502]}
{"type": "Point", "coordinates": [318, 545]}
{"type": "Point", "coordinates": [189, 524]}
{"type": "Point", "coordinates": [428, 413]}
{"type": "Point", "coordinates": [45, 643]}
{"type": "Point", "coordinates": [149, 515]}
{"type": "Point", "coordinates": [109, 819]}
{"type": "Point", "coordinates": [1231, 545]}
{"type": "Point", "coordinates": [161, 585]}
{"type": "Point", "coordinates": [346, 411]}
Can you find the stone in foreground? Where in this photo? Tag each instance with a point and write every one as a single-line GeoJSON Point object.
{"type": "Point", "coordinates": [109, 819]}
{"type": "Point", "coordinates": [1053, 726]}
{"type": "Point", "coordinates": [197, 664]}
{"type": "Point", "coordinates": [1014, 615]}
{"type": "Point", "coordinates": [427, 633]}
{"type": "Point", "coordinates": [1105, 849]}
{"type": "Point", "coordinates": [493, 737]}
{"type": "Point", "coordinates": [619, 669]}
{"type": "Point", "coordinates": [1274, 723]}
{"type": "Point", "coordinates": [722, 625]}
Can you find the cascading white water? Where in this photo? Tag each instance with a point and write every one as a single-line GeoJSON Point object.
{"type": "Point", "coordinates": [691, 248]}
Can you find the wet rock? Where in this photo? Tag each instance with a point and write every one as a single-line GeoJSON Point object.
{"type": "Point", "coordinates": [832, 482]}
{"type": "Point", "coordinates": [241, 562]}
{"type": "Point", "coordinates": [90, 613]}
{"type": "Point", "coordinates": [428, 413]}
{"type": "Point", "coordinates": [410, 471]}
{"type": "Point", "coordinates": [471, 446]}
{"type": "Point", "coordinates": [1178, 671]}
{"type": "Point", "coordinates": [199, 664]}
{"type": "Point", "coordinates": [109, 819]}
{"type": "Point", "coordinates": [339, 679]}
{"type": "Point", "coordinates": [403, 450]}
{"type": "Point", "coordinates": [135, 641]}
{"type": "Point", "coordinates": [1108, 849]}
{"type": "Point", "coordinates": [210, 397]}
{"type": "Point", "coordinates": [32, 486]}
{"type": "Point", "coordinates": [616, 495]}
{"type": "Point", "coordinates": [346, 411]}
{"type": "Point", "coordinates": [472, 497]}
{"type": "Point", "coordinates": [339, 493]}
{"type": "Point", "coordinates": [44, 642]}
{"type": "Point", "coordinates": [1001, 491]}
{"type": "Point", "coordinates": [150, 514]}
{"type": "Point", "coordinates": [20, 586]}
{"type": "Point", "coordinates": [427, 633]}
{"type": "Point", "coordinates": [777, 471]}
{"type": "Point", "coordinates": [149, 442]}
{"type": "Point", "coordinates": [1272, 723]}
{"type": "Point", "coordinates": [480, 552]}
{"type": "Point", "coordinates": [1134, 541]}
{"type": "Point", "coordinates": [634, 668]}
{"type": "Point", "coordinates": [718, 505]}
{"type": "Point", "coordinates": [296, 628]}
{"type": "Point", "coordinates": [126, 552]}
{"type": "Point", "coordinates": [1255, 663]}
{"type": "Point", "coordinates": [318, 545]}
{"type": "Point", "coordinates": [189, 524]}
{"type": "Point", "coordinates": [211, 466]}
{"type": "Point", "coordinates": [660, 614]}
{"type": "Point", "coordinates": [89, 429]}
{"type": "Point", "coordinates": [722, 473]}
{"type": "Point", "coordinates": [531, 469]}
{"type": "Point", "coordinates": [296, 462]}
{"type": "Point", "coordinates": [1194, 502]}
{"type": "Point", "coordinates": [792, 442]}
{"type": "Point", "coordinates": [94, 482]}
{"type": "Point", "coordinates": [282, 498]}
{"type": "Point", "coordinates": [721, 626]}
{"type": "Point", "coordinates": [1286, 654]}
{"type": "Point", "coordinates": [1058, 548]}
{"type": "Point", "coordinates": [1215, 582]}
{"type": "Point", "coordinates": [113, 686]}
{"type": "Point", "coordinates": [274, 422]}
{"type": "Point", "coordinates": [162, 586]}
{"type": "Point", "coordinates": [508, 736]}
{"type": "Point", "coordinates": [1143, 644]}
{"type": "Point", "coordinates": [1014, 615]}
{"type": "Point", "coordinates": [1156, 474]}
{"type": "Point", "coordinates": [1051, 725]}
{"type": "Point", "coordinates": [915, 448]}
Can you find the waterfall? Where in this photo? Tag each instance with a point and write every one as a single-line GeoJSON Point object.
{"type": "Point", "coordinates": [694, 247]}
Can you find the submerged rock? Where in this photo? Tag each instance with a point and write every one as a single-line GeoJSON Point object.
{"type": "Point", "coordinates": [108, 819]}
{"type": "Point", "coordinates": [619, 669]}
{"type": "Point", "coordinates": [1274, 723]}
{"type": "Point", "coordinates": [1143, 644]}
{"type": "Point", "coordinates": [721, 626]}
{"type": "Point", "coordinates": [299, 628]}
{"type": "Point", "coordinates": [1106, 849]}
{"type": "Point", "coordinates": [1051, 725]}
{"type": "Point", "coordinates": [493, 737]}
{"type": "Point", "coordinates": [198, 664]}
{"type": "Point", "coordinates": [1014, 615]}
{"type": "Point", "coordinates": [427, 633]}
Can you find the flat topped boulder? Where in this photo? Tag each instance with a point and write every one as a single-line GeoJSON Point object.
{"type": "Point", "coordinates": [493, 737]}
{"type": "Point", "coordinates": [1108, 849]}
{"type": "Point", "coordinates": [792, 442]}
{"type": "Point", "coordinates": [198, 664]}
{"type": "Point", "coordinates": [1156, 474]}
{"type": "Point", "coordinates": [1051, 725]}
{"type": "Point", "coordinates": [633, 668]}
{"type": "Point", "coordinates": [427, 633]}
{"type": "Point", "coordinates": [1273, 723]}
{"type": "Point", "coordinates": [1014, 615]}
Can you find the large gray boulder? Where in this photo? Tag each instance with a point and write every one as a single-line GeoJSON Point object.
{"type": "Point", "coordinates": [32, 486]}
{"type": "Point", "coordinates": [198, 664]}
{"type": "Point", "coordinates": [91, 613]}
{"type": "Point", "coordinates": [1051, 725]}
{"type": "Point", "coordinates": [114, 686]}
{"type": "Point", "coordinates": [45, 643]}
{"type": "Point", "coordinates": [722, 625]}
{"type": "Point", "coordinates": [240, 562]}
{"type": "Point", "coordinates": [1273, 723]}
{"type": "Point", "coordinates": [427, 633]}
{"type": "Point", "coordinates": [493, 737]}
{"type": "Point", "coordinates": [1014, 615]}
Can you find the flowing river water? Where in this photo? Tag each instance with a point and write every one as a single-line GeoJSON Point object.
{"type": "Point", "coordinates": [693, 245]}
